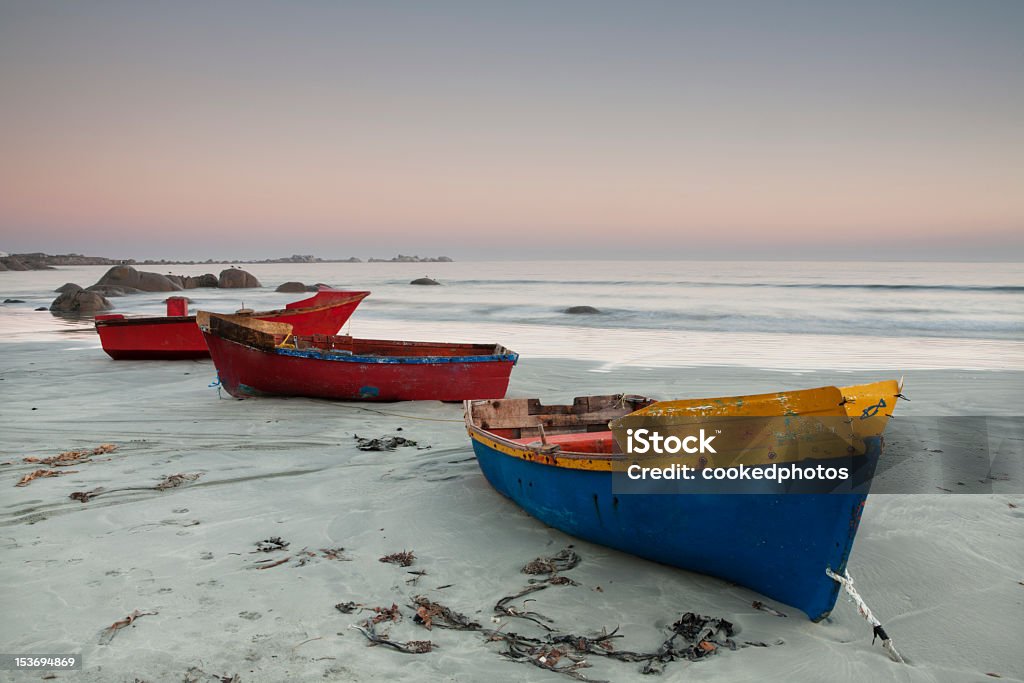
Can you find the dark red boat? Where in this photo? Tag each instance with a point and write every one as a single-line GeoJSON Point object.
{"type": "Point", "coordinates": [176, 336]}
{"type": "Point", "coordinates": [258, 358]}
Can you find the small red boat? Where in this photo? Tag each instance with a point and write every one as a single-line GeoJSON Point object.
{"type": "Point", "coordinates": [176, 336]}
{"type": "Point", "coordinates": [258, 358]}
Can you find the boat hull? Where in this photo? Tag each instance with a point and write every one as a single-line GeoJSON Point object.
{"type": "Point", "coordinates": [179, 338]}
{"type": "Point", "coordinates": [776, 544]}
{"type": "Point", "coordinates": [245, 371]}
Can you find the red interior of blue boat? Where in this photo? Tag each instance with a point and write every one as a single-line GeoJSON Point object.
{"type": "Point", "coordinates": [579, 442]}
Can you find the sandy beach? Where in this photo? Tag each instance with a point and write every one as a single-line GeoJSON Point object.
{"type": "Point", "coordinates": [942, 571]}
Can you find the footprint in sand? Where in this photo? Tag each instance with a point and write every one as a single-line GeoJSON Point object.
{"type": "Point", "coordinates": [251, 616]}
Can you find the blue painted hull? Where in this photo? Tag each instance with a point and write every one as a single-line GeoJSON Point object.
{"type": "Point", "coordinates": [776, 544]}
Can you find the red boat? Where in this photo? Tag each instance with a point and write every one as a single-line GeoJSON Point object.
{"type": "Point", "coordinates": [257, 358]}
{"type": "Point", "coordinates": [176, 336]}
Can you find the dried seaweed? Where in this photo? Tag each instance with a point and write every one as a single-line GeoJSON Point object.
{"type": "Point", "coordinates": [386, 614]}
{"type": "Point", "coordinates": [274, 563]}
{"type": "Point", "coordinates": [429, 614]}
{"type": "Point", "coordinates": [502, 607]}
{"type": "Point", "coordinates": [692, 636]}
{"type": "Point", "coordinates": [699, 633]}
{"type": "Point", "coordinates": [111, 631]}
{"type": "Point", "coordinates": [383, 443]}
{"type": "Point", "coordinates": [39, 474]}
{"type": "Point", "coordinates": [271, 544]}
{"type": "Point", "coordinates": [564, 560]}
{"type": "Point", "coordinates": [347, 607]}
{"type": "Point", "coordinates": [402, 559]}
{"type": "Point", "coordinates": [68, 458]}
{"type": "Point", "coordinates": [545, 657]}
{"type": "Point", "coordinates": [412, 647]}
{"type": "Point", "coordinates": [175, 480]}
{"type": "Point", "coordinates": [335, 554]}
{"type": "Point", "coordinates": [168, 482]}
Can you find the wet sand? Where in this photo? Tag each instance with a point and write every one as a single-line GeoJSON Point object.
{"type": "Point", "coordinates": [942, 571]}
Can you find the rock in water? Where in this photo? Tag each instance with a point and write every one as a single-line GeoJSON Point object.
{"type": "Point", "coordinates": [292, 287]}
{"type": "Point", "coordinates": [424, 281]}
{"type": "Point", "coordinates": [67, 287]}
{"type": "Point", "coordinates": [236, 278]}
{"type": "Point", "coordinates": [581, 310]}
{"type": "Point", "coordinates": [205, 280]}
{"type": "Point", "coordinates": [80, 301]}
{"type": "Point", "coordinates": [126, 276]}
{"type": "Point", "coordinates": [13, 301]}
{"type": "Point", "coordinates": [112, 290]}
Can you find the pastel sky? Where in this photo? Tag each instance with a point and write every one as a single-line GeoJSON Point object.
{"type": "Point", "coordinates": [889, 129]}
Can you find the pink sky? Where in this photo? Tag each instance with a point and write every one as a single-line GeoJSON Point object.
{"type": "Point", "coordinates": [133, 131]}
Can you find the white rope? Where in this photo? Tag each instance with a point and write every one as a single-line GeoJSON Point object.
{"type": "Point", "coordinates": [846, 581]}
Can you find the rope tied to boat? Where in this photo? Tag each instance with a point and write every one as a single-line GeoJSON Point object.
{"type": "Point", "coordinates": [846, 581]}
{"type": "Point", "coordinates": [215, 383]}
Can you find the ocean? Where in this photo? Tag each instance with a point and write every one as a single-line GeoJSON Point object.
{"type": "Point", "coordinates": [771, 314]}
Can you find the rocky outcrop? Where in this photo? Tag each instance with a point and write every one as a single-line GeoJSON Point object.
{"type": "Point", "coordinates": [236, 278]}
{"type": "Point", "coordinates": [40, 261]}
{"type": "Point", "coordinates": [402, 258]}
{"type": "Point", "coordinates": [192, 282]}
{"type": "Point", "coordinates": [80, 301]}
{"type": "Point", "coordinates": [3, 267]}
{"type": "Point", "coordinates": [424, 281]}
{"type": "Point", "coordinates": [206, 280]}
{"type": "Point", "coordinates": [14, 263]}
{"type": "Point", "coordinates": [581, 310]}
{"type": "Point", "coordinates": [113, 290]}
{"type": "Point", "coordinates": [126, 276]}
{"type": "Point", "coordinates": [295, 287]}
{"type": "Point", "coordinates": [14, 301]}
{"type": "Point", "coordinates": [67, 287]}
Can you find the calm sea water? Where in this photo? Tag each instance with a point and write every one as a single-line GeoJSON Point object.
{"type": "Point", "coordinates": [840, 315]}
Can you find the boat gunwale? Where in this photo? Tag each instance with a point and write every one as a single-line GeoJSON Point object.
{"type": "Point", "coordinates": [172, 319]}
{"type": "Point", "coordinates": [500, 354]}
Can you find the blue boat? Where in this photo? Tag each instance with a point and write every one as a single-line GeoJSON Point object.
{"type": "Point", "coordinates": [566, 466]}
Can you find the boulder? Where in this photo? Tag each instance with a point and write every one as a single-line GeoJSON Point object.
{"type": "Point", "coordinates": [206, 280]}
{"type": "Point", "coordinates": [113, 290]}
{"type": "Point", "coordinates": [581, 310]}
{"type": "Point", "coordinates": [14, 301]}
{"type": "Point", "coordinates": [80, 301]}
{"type": "Point", "coordinates": [42, 308]}
{"type": "Point", "coordinates": [236, 278]}
{"type": "Point", "coordinates": [424, 281]}
{"type": "Point", "coordinates": [292, 287]}
{"type": "Point", "coordinates": [67, 287]}
{"type": "Point", "coordinates": [126, 276]}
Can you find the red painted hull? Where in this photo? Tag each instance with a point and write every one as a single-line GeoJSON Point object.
{"type": "Point", "coordinates": [247, 371]}
{"type": "Point", "coordinates": [178, 337]}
